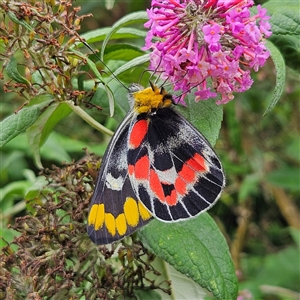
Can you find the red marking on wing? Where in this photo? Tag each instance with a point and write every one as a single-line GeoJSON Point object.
{"type": "Point", "coordinates": [172, 199]}
{"type": "Point", "coordinates": [187, 174]}
{"type": "Point", "coordinates": [180, 186]}
{"type": "Point", "coordinates": [156, 186]}
{"type": "Point", "coordinates": [138, 133]}
{"type": "Point", "coordinates": [191, 167]}
{"type": "Point", "coordinates": [142, 167]}
{"type": "Point", "coordinates": [197, 162]}
{"type": "Point", "coordinates": [131, 169]}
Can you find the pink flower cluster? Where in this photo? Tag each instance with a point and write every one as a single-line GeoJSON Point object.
{"type": "Point", "coordinates": [210, 45]}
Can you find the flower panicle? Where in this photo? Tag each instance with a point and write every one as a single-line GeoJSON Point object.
{"type": "Point", "coordinates": [208, 45]}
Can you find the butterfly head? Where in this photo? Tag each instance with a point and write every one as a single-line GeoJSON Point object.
{"type": "Point", "coordinates": [149, 100]}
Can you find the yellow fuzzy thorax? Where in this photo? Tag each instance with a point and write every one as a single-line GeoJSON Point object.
{"type": "Point", "coordinates": [151, 99]}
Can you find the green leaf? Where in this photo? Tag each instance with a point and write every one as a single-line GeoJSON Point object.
{"type": "Point", "coordinates": [99, 35]}
{"type": "Point", "coordinates": [13, 190]}
{"type": "Point", "coordinates": [7, 235]}
{"type": "Point", "coordinates": [133, 63]}
{"type": "Point", "coordinates": [17, 123]}
{"type": "Point", "coordinates": [285, 24]}
{"type": "Point", "coordinates": [111, 100]}
{"type": "Point", "coordinates": [133, 18]}
{"type": "Point", "coordinates": [12, 71]}
{"type": "Point", "coordinates": [289, 47]}
{"type": "Point", "coordinates": [146, 294]}
{"type": "Point", "coordinates": [183, 287]}
{"type": "Point", "coordinates": [90, 63]}
{"type": "Point", "coordinates": [123, 52]}
{"type": "Point", "coordinates": [206, 116]}
{"type": "Point", "coordinates": [280, 75]}
{"type": "Point", "coordinates": [197, 249]}
{"type": "Point", "coordinates": [284, 18]}
{"type": "Point", "coordinates": [54, 150]}
{"type": "Point", "coordinates": [38, 133]}
{"type": "Point", "coordinates": [109, 4]}
{"type": "Point", "coordinates": [23, 23]}
{"type": "Point", "coordinates": [94, 68]}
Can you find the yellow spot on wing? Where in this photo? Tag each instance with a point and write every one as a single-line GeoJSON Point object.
{"type": "Point", "coordinates": [110, 223]}
{"type": "Point", "coordinates": [131, 212]}
{"type": "Point", "coordinates": [121, 224]}
{"type": "Point", "coordinates": [96, 216]}
{"type": "Point", "coordinates": [144, 213]}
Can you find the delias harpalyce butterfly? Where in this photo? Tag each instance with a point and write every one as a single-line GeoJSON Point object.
{"type": "Point", "coordinates": [156, 165]}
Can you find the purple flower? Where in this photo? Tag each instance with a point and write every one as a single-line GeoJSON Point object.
{"type": "Point", "coordinates": [210, 45]}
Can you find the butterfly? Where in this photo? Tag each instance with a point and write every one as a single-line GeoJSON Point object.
{"type": "Point", "coordinates": [157, 165]}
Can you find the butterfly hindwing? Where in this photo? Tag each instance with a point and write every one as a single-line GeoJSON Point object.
{"type": "Point", "coordinates": [115, 210]}
{"type": "Point", "coordinates": [172, 167]}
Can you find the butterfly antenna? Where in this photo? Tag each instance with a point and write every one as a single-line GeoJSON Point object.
{"type": "Point", "coordinates": [156, 71]}
{"type": "Point", "coordinates": [111, 72]}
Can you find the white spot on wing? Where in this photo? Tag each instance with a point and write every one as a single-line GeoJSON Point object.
{"type": "Point", "coordinates": [167, 176]}
{"type": "Point", "coordinates": [115, 184]}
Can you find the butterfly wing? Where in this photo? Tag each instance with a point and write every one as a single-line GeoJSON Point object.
{"type": "Point", "coordinates": [173, 169]}
{"type": "Point", "coordinates": [115, 211]}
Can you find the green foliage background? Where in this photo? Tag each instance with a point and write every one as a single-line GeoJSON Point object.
{"type": "Point", "coordinates": [259, 211]}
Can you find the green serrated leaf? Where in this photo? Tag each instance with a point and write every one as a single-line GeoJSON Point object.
{"type": "Point", "coordinates": [38, 133]}
{"type": "Point", "coordinates": [197, 249]}
{"type": "Point", "coordinates": [14, 18]}
{"type": "Point", "coordinates": [206, 116]}
{"type": "Point", "coordinates": [285, 26]}
{"type": "Point", "coordinates": [12, 71]}
{"type": "Point", "coordinates": [289, 47]}
{"type": "Point", "coordinates": [17, 123]}
{"type": "Point", "coordinates": [280, 75]}
{"type": "Point", "coordinates": [284, 18]}
{"type": "Point", "coordinates": [133, 18]}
